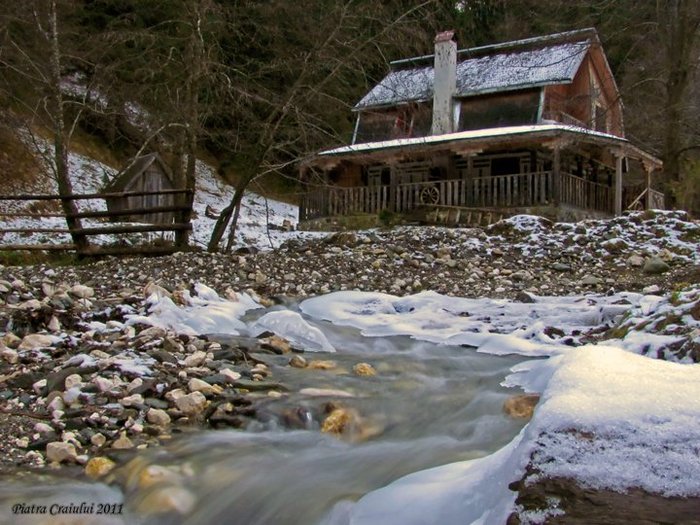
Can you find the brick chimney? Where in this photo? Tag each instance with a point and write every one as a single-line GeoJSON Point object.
{"type": "Point", "coordinates": [444, 83]}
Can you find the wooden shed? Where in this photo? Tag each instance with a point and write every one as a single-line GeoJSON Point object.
{"type": "Point", "coordinates": [147, 173]}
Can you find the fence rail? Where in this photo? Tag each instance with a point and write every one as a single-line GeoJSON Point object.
{"type": "Point", "coordinates": [181, 212]}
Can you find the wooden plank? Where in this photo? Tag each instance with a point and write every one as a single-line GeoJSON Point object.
{"type": "Point", "coordinates": [37, 247]}
{"type": "Point", "coordinates": [98, 251]}
{"type": "Point", "coordinates": [34, 230]}
{"type": "Point", "coordinates": [137, 228]}
{"type": "Point", "coordinates": [45, 197]}
{"type": "Point", "coordinates": [120, 213]}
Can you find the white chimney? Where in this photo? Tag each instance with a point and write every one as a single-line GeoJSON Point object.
{"type": "Point", "coordinates": [444, 83]}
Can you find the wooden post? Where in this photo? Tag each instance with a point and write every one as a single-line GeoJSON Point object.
{"type": "Point", "coordinates": [556, 176]}
{"type": "Point", "coordinates": [618, 183]}
{"type": "Point", "coordinates": [393, 186]}
{"type": "Point", "coordinates": [648, 169]}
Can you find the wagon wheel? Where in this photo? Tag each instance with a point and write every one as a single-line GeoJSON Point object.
{"type": "Point", "coordinates": [430, 195]}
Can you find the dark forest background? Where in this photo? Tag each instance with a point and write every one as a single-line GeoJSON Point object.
{"type": "Point", "coordinates": [254, 86]}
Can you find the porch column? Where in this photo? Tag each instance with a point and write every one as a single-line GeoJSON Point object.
{"type": "Point", "coordinates": [393, 184]}
{"type": "Point", "coordinates": [648, 169]}
{"type": "Point", "coordinates": [556, 176]}
{"type": "Point", "coordinates": [618, 183]}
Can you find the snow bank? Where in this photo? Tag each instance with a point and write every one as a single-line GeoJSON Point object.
{"type": "Point", "coordinates": [607, 418]}
{"type": "Point", "coordinates": [548, 326]}
{"type": "Point", "coordinates": [204, 313]}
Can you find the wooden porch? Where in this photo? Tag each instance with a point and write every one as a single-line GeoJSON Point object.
{"type": "Point", "coordinates": [523, 190]}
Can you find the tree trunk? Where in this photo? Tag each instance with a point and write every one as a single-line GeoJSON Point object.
{"type": "Point", "coordinates": [65, 187]}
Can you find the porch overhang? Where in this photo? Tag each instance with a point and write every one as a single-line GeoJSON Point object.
{"type": "Point", "coordinates": [465, 142]}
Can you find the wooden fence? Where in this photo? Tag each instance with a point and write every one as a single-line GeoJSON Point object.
{"type": "Point", "coordinates": [112, 228]}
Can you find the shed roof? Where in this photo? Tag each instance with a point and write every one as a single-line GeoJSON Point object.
{"type": "Point", "coordinates": [533, 62]}
{"type": "Point", "coordinates": [135, 168]}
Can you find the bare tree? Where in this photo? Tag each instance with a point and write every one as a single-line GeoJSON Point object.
{"type": "Point", "coordinates": [34, 56]}
{"type": "Point", "coordinates": [315, 58]}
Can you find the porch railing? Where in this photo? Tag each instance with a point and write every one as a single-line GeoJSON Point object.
{"type": "Point", "coordinates": [585, 194]}
{"type": "Point", "coordinates": [501, 191]}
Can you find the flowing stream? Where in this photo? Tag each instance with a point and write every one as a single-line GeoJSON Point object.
{"type": "Point", "coordinates": [428, 405]}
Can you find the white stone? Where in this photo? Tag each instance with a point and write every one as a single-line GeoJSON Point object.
{"type": "Point", "coordinates": [9, 355]}
{"type": "Point", "coordinates": [82, 292]}
{"type": "Point", "coordinates": [43, 428]}
{"type": "Point", "coordinates": [54, 324]}
{"type": "Point", "coordinates": [59, 451]}
{"type": "Point", "coordinates": [103, 384]}
{"type": "Point", "coordinates": [197, 385]}
{"type": "Point", "coordinates": [230, 375]}
{"type": "Point", "coordinates": [72, 381]}
{"type": "Point", "coordinates": [195, 359]}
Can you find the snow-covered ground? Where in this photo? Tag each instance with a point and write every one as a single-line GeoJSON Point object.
{"type": "Point", "coordinates": [90, 176]}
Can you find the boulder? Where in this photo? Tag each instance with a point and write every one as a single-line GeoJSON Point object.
{"type": "Point", "coordinates": [655, 266]}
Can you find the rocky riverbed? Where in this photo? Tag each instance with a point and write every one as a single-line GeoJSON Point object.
{"type": "Point", "coordinates": [72, 384]}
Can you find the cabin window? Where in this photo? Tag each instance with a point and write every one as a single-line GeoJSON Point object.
{"type": "Point", "coordinates": [493, 111]}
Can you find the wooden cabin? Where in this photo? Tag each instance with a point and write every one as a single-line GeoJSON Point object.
{"type": "Point", "coordinates": [147, 173]}
{"type": "Point", "coordinates": [531, 126]}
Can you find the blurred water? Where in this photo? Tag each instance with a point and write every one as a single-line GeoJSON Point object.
{"type": "Point", "coordinates": [428, 405]}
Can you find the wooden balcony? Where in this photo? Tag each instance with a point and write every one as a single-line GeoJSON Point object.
{"type": "Point", "coordinates": [514, 192]}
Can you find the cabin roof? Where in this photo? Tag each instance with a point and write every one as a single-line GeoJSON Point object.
{"type": "Point", "coordinates": [534, 132]}
{"type": "Point", "coordinates": [521, 64]}
{"type": "Point", "coordinates": [135, 168]}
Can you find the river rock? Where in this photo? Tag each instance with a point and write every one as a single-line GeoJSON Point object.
{"type": "Point", "coordinates": [191, 404]}
{"type": "Point", "coordinates": [298, 361]}
{"type": "Point", "coordinates": [98, 439]}
{"type": "Point", "coordinates": [320, 364]}
{"type": "Point", "coordinates": [561, 267]}
{"type": "Point", "coordinates": [36, 341]}
{"type": "Point", "coordinates": [72, 381]}
{"type": "Point", "coordinates": [340, 420]}
{"type": "Point", "coordinates": [364, 369]}
{"type": "Point", "coordinates": [521, 406]}
{"type": "Point", "coordinates": [229, 375]}
{"type": "Point", "coordinates": [9, 355]}
{"type": "Point", "coordinates": [197, 385]}
{"type": "Point", "coordinates": [82, 292]}
{"type": "Point", "coordinates": [277, 344]}
{"type": "Point", "coordinates": [196, 359]}
{"type": "Point", "coordinates": [123, 442]}
{"type": "Point", "coordinates": [132, 400]}
{"type": "Point", "coordinates": [655, 266]}
{"type": "Point", "coordinates": [590, 280]}
{"type": "Point", "coordinates": [98, 467]}
{"type": "Point", "coordinates": [158, 417]}
{"type": "Point", "coordinates": [165, 500]}
{"type": "Point", "coordinates": [636, 261]}
{"type": "Point", "coordinates": [58, 451]}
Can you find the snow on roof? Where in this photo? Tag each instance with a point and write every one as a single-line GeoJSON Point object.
{"type": "Point", "coordinates": [466, 135]}
{"type": "Point", "coordinates": [504, 71]}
